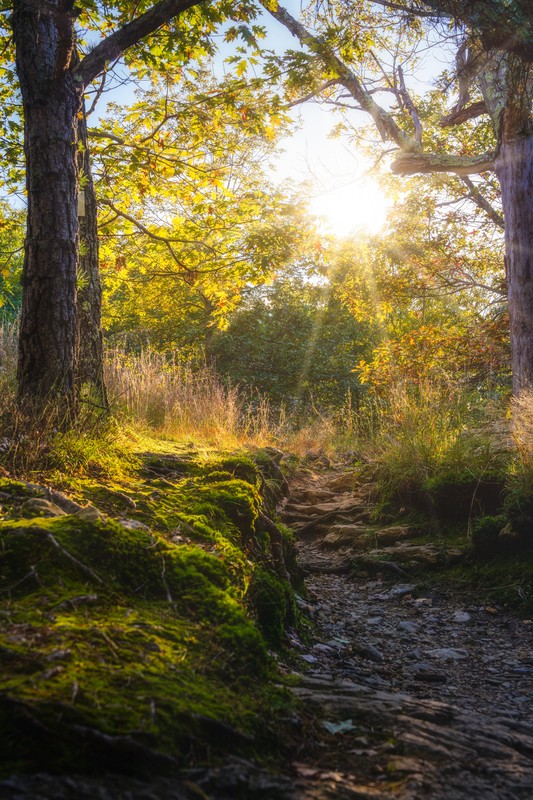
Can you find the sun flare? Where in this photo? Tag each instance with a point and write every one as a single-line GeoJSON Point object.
{"type": "Point", "coordinates": [357, 206]}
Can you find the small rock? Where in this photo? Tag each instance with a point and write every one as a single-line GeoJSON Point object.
{"type": "Point", "coordinates": [408, 627]}
{"type": "Point", "coordinates": [508, 534]}
{"type": "Point", "coordinates": [134, 525]}
{"type": "Point", "coordinates": [370, 652]}
{"type": "Point", "coordinates": [323, 648]}
{"type": "Point", "coordinates": [393, 534]}
{"type": "Point", "coordinates": [423, 601]}
{"type": "Point", "coordinates": [341, 536]}
{"type": "Point", "coordinates": [89, 514]}
{"type": "Point", "coordinates": [426, 672]}
{"type": "Point", "coordinates": [309, 658]}
{"type": "Point", "coordinates": [375, 680]}
{"type": "Point", "coordinates": [374, 621]}
{"type": "Point", "coordinates": [337, 644]}
{"type": "Point", "coordinates": [39, 507]}
{"type": "Point", "coordinates": [342, 483]}
{"type": "Point", "coordinates": [447, 653]}
{"type": "Point", "coordinates": [461, 616]}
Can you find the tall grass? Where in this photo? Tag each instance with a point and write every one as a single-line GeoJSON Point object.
{"type": "Point", "coordinates": [521, 466]}
{"type": "Point", "coordinates": [411, 435]}
{"type": "Point", "coordinates": [8, 360]}
{"type": "Point", "coordinates": [433, 430]}
{"type": "Point", "coordinates": [181, 402]}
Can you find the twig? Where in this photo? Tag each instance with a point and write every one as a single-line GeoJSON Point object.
{"type": "Point", "coordinates": [72, 558]}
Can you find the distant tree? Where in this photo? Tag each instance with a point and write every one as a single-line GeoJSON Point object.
{"type": "Point", "coordinates": [11, 259]}
{"type": "Point", "coordinates": [190, 219]}
{"type": "Point", "coordinates": [295, 343]}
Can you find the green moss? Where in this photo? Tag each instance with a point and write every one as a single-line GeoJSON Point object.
{"type": "Point", "coordinates": [460, 496]}
{"type": "Point", "coordinates": [238, 466]}
{"type": "Point", "coordinates": [273, 602]}
{"type": "Point", "coordinates": [122, 649]}
{"type": "Point", "coordinates": [486, 531]}
{"type": "Point", "coordinates": [16, 488]}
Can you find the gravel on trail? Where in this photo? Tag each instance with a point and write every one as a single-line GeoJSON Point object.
{"type": "Point", "coordinates": [413, 694]}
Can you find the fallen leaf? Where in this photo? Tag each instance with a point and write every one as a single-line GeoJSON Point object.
{"type": "Point", "coordinates": [339, 727]}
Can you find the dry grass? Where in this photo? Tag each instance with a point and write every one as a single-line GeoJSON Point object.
{"type": "Point", "coordinates": [417, 433]}
{"type": "Point", "coordinates": [8, 361]}
{"type": "Point", "coordinates": [182, 403]}
{"type": "Point", "coordinates": [521, 466]}
{"type": "Point", "coordinates": [522, 427]}
{"type": "Point", "coordinates": [410, 435]}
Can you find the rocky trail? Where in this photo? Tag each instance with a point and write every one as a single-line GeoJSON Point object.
{"type": "Point", "coordinates": [411, 694]}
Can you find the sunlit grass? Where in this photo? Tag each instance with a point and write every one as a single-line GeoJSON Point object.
{"type": "Point", "coordinates": [418, 433]}
{"type": "Point", "coordinates": [181, 402]}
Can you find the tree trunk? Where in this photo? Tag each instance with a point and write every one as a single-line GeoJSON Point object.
{"type": "Point", "coordinates": [90, 376]}
{"type": "Point", "coordinates": [514, 168]}
{"type": "Point", "coordinates": [43, 36]}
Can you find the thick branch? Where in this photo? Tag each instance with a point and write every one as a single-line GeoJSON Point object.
{"type": "Point", "coordinates": [167, 240]}
{"type": "Point", "coordinates": [415, 163]}
{"type": "Point", "coordinates": [385, 123]}
{"type": "Point", "coordinates": [130, 34]}
{"type": "Point", "coordinates": [315, 93]}
{"type": "Point", "coordinates": [463, 114]}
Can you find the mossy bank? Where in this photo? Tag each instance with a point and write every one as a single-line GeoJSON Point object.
{"type": "Point", "coordinates": [136, 614]}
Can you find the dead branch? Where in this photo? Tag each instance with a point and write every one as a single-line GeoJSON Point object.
{"type": "Point", "coordinates": [410, 106]}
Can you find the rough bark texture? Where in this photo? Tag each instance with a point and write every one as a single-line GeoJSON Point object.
{"type": "Point", "coordinates": [51, 101]}
{"type": "Point", "coordinates": [514, 167]}
{"type": "Point", "coordinates": [425, 163]}
{"type": "Point", "coordinates": [90, 355]}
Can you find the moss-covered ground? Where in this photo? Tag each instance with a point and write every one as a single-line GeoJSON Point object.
{"type": "Point", "coordinates": [484, 531]}
{"type": "Point", "coordinates": [134, 637]}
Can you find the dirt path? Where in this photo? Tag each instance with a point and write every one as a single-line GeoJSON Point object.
{"type": "Point", "coordinates": [409, 694]}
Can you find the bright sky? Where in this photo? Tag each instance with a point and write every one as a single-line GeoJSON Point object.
{"type": "Point", "coordinates": [344, 195]}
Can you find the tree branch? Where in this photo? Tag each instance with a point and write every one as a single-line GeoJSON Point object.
{"type": "Point", "coordinates": [416, 163]}
{"type": "Point", "coordinates": [130, 34]}
{"type": "Point", "coordinates": [387, 127]}
{"type": "Point", "coordinates": [167, 240]}
{"type": "Point", "coordinates": [463, 114]}
{"type": "Point", "coordinates": [310, 95]}
{"type": "Point", "coordinates": [480, 201]}
{"type": "Point", "coordinates": [410, 106]}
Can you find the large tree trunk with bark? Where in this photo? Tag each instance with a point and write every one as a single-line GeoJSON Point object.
{"type": "Point", "coordinates": [90, 377]}
{"type": "Point", "coordinates": [51, 100]}
{"type": "Point", "coordinates": [514, 168]}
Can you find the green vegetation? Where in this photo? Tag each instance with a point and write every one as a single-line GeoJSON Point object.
{"type": "Point", "coordinates": [132, 645]}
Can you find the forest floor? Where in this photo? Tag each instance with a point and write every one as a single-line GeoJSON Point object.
{"type": "Point", "coordinates": [405, 687]}
{"type": "Point", "coordinates": [410, 689]}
